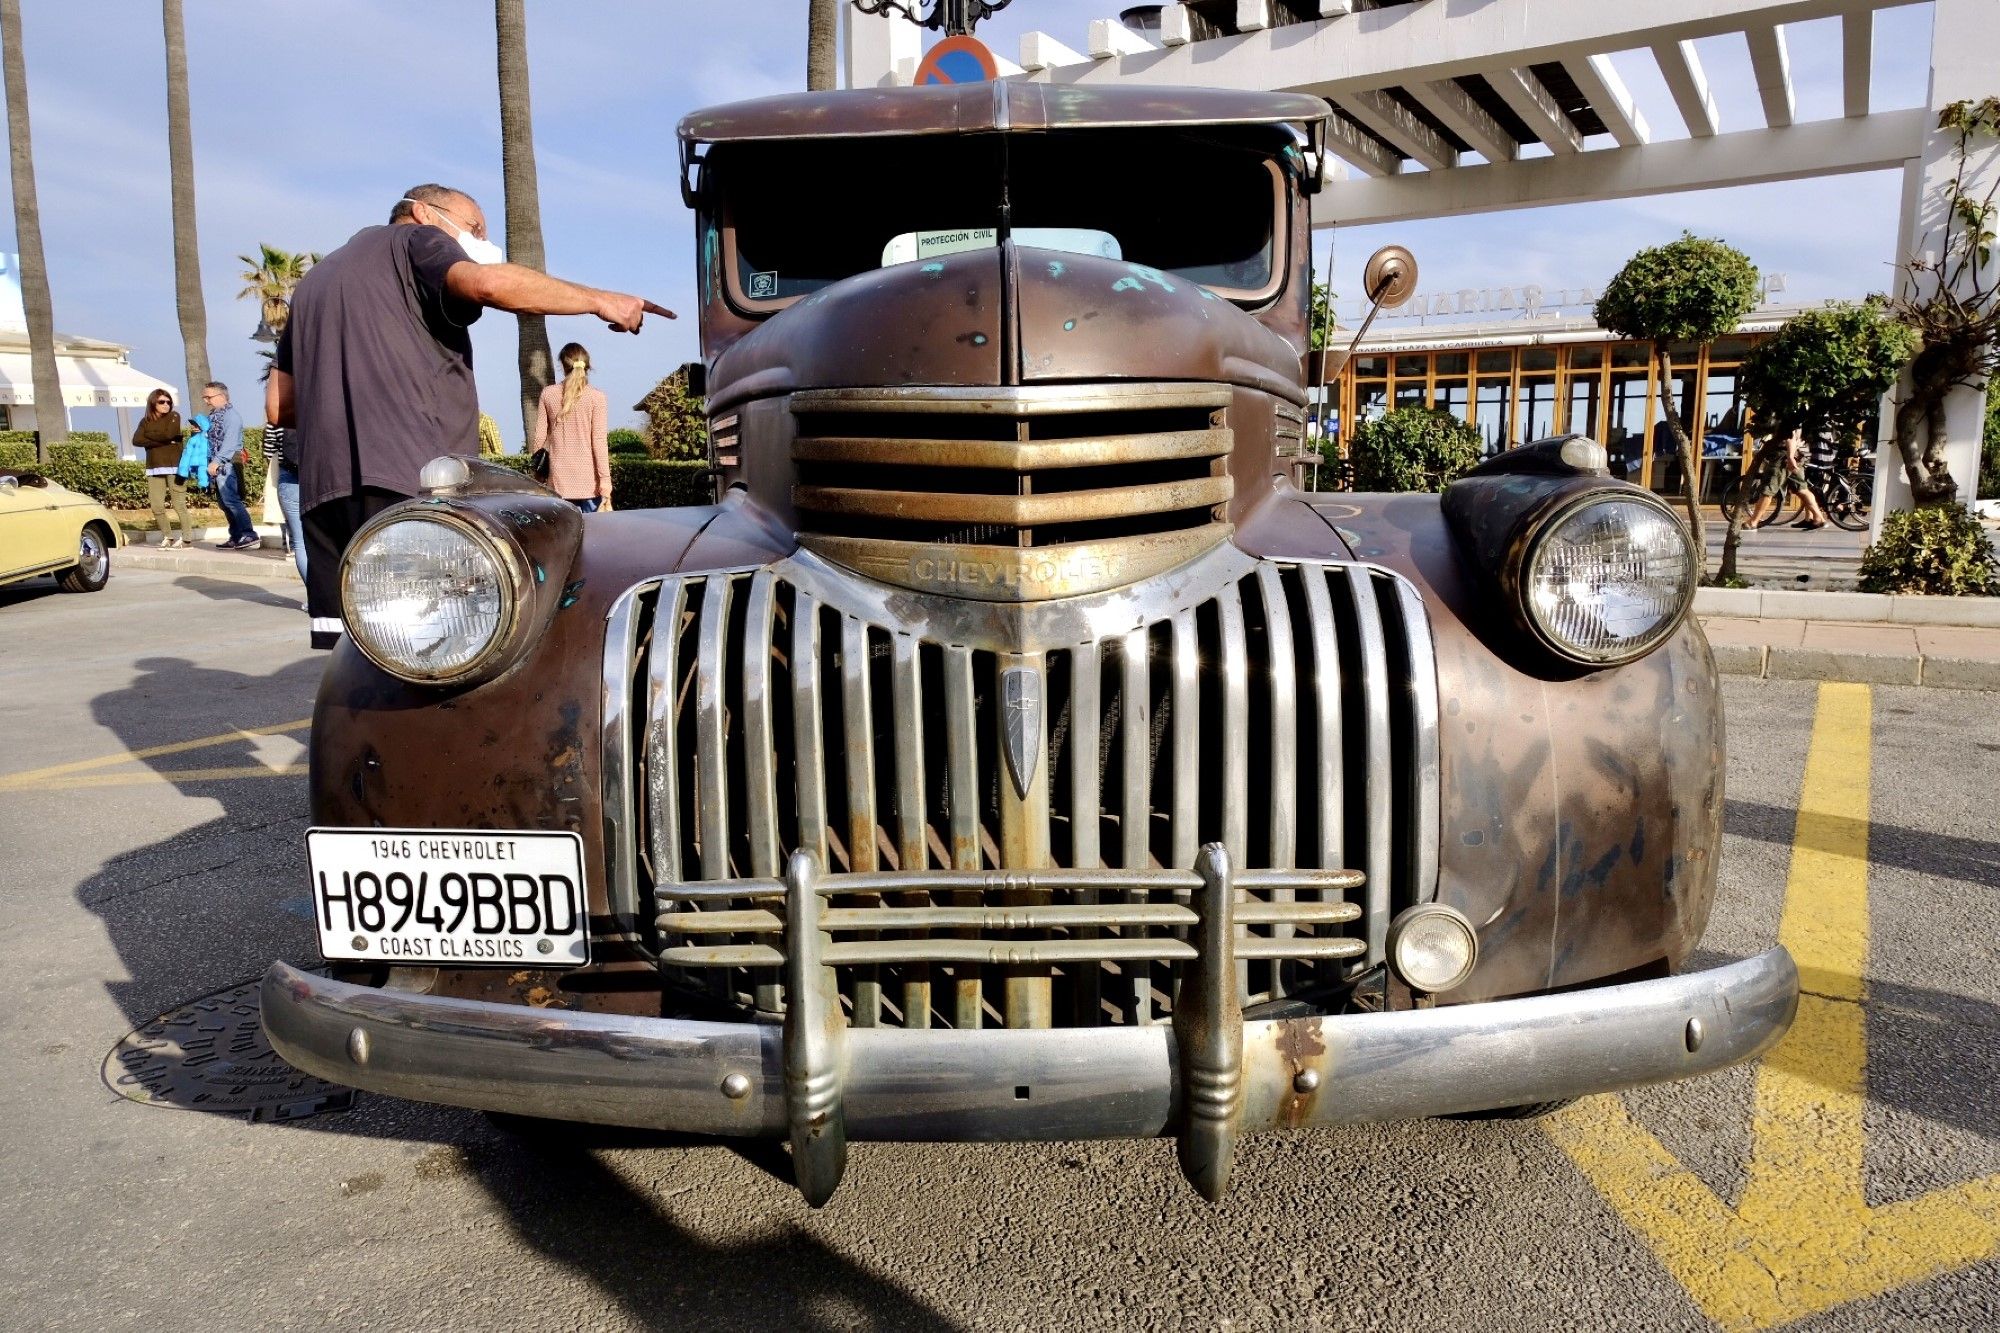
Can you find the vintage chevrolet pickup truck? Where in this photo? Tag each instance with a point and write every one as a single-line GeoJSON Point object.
{"type": "Point", "coordinates": [1012, 750]}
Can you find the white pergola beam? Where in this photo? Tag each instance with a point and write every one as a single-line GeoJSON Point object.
{"type": "Point", "coordinates": [1176, 26]}
{"type": "Point", "coordinates": [1039, 52]}
{"type": "Point", "coordinates": [1680, 66]}
{"type": "Point", "coordinates": [1440, 40]}
{"type": "Point", "coordinates": [1109, 37]}
{"type": "Point", "coordinates": [1253, 15]}
{"type": "Point", "coordinates": [1394, 122]}
{"type": "Point", "coordinates": [1608, 96]}
{"type": "Point", "coordinates": [1521, 90]}
{"type": "Point", "coordinates": [1857, 58]}
{"type": "Point", "coordinates": [1746, 157]}
{"type": "Point", "coordinates": [1359, 151]}
{"type": "Point", "coordinates": [1771, 63]}
{"type": "Point", "coordinates": [1468, 120]}
{"type": "Point", "coordinates": [1329, 9]}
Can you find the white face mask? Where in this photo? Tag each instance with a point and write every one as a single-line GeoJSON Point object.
{"type": "Point", "coordinates": [478, 249]}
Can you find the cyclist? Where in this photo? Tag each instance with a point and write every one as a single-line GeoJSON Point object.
{"type": "Point", "coordinates": [1783, 464]}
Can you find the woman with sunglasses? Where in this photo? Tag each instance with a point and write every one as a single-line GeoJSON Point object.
{"type": "Point", "coordinates": [160, 434]}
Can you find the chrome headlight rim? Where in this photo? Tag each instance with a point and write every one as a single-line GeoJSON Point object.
{"type": "Point", "coordinates": [1399, 929]}
{"type": "Point", "coordinates": [488, 661]}
{"type": "Point", "coordinates": [1539, 528]}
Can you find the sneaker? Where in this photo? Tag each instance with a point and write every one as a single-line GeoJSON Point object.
{"type": "Point", "coordinates": [246, 543]}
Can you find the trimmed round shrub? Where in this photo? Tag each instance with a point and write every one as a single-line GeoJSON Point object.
{"type": "Point", "coordinates": [1413, 449]}
{"type": "Point", "coordinates": [1941, 550]}
{"type": "Point", "coordinates": [625, 440]}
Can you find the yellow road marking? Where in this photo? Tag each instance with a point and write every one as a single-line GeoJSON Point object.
{"type": "Point", "coordinates": [154, 776]}
{"type": "Point", "coordinates": [1802, 1238]}
{"type": "Point", "coordinates": [39, 777]}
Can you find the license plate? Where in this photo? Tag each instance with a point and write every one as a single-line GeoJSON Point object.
{"type": "Point", "coordinates": [449, 897]}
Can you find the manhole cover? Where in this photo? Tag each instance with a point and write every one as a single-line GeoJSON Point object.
{"type": "Point", "coordinates": [210, 1055]}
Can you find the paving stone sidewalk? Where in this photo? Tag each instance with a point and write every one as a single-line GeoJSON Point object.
{"type": "Point", "coordinates": [1949, 656]}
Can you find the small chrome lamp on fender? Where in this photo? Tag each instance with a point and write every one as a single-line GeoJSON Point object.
{"type": "Point", "coordinates": [1433, 947]}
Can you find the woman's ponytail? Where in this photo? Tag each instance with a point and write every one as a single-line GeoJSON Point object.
{"type": "Point", "coordinates": [576, 376]}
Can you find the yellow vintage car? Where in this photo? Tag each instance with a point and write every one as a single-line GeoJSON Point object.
{"type": "Point", "coordinates": [50, 529]}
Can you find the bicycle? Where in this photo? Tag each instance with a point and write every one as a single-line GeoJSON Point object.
{"type": "Point", "coordinates": [1847, 494]}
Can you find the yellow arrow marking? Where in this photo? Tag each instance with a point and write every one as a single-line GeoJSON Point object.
{"type": "Point", "coordinates": [1802, 1238]}
{"type": "Point", "coordinates": [59, 776]}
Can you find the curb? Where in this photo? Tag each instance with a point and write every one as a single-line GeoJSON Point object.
{"type": "Point", "coordinates": [220, 564]}
{"type": "Point", "coordinates": [1874, 607]}
{"type": "Point", "coordinates": [1765, 662]}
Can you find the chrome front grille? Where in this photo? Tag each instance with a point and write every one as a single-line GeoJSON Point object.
{"type": "Point", "coordinates": [1007, 803]}
{"type": "Point", "coordinates": [1013, 494]}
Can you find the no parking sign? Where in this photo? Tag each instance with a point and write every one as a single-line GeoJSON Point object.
{"type": "Point", "coordinates": [957, 60]}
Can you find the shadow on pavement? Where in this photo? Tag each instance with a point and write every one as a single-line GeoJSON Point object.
{"type": "Point", "coordinates": [28, 590]}
{"type": "Point", "coordinates": [1940, 854]}
{"type": "Point", "coordinates": [237, 590]}
{"type": "Point", "coordinates": [209, 906]}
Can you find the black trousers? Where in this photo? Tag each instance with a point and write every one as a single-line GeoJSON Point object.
{"type": "Point", "coordinates": [330, 526]}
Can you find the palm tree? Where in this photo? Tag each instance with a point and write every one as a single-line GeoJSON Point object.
{"type": "Point", "coordinates": [187, 251]}
{"type": "Point", "coordinates": [524, 201]}
{"type": "Point", "coordinates": [819, 46]}
{"type": "Point", "coordinates": [271, 276]}
{"type": "Point", "coordinates": [51, 416]}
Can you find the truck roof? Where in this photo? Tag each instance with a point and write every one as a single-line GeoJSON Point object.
{"type": "Point", "coordinates": [1005, 106]}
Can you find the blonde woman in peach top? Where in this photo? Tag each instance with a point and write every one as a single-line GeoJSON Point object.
{"type": "Point", "coordinates": [571, 426]}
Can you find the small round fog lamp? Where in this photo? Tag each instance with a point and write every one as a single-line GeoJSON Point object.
{"type": "Point", "coordinates": [1432, 947]}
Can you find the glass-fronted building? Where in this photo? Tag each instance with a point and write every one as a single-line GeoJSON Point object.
{"type": "Point", "coordinates": [1522, 379]}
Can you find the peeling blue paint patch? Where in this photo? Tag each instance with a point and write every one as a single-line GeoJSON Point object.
{"type": "Point", "coordinates": [1069, 326]}
{"type": "Point", "coordinates": [932, 270]}
{"type": "Point", "coordinates": [540, 577]}
{"type": "Point", "coordinates": [1128, 285]}
{"type": "Point", "coordinates": [1207, 295]}
{"type": "Point", "coordinates": [569, 595]}
{"type": "Point", "coordinates": [979, 340]}
{"type": "Point", "coordinates": [1153, 276]}
{"type": "Point", "coordinates": [1056, 269]}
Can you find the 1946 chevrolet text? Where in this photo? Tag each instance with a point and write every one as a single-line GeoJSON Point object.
{"type": "Point", "coordinates": [1013, 751]}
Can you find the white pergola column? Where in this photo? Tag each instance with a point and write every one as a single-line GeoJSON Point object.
{"type": "Point", "coordinates": [1963, 33]}
{"type": "Point", "coordinates": [880, 52]}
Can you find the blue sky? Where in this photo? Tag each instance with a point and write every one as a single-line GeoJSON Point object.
{"type": "Point", "coordinates": [310, 119]}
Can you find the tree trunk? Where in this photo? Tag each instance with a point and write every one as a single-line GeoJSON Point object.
{"type": "Point", "coordinates": [1671, 411]}
{"type": "Point", "coordinates": [187, 250]}
{"type": "Point", "coordinates": [51, 416]}
{"type": "Point", "coordinates": [1924, 466]}
{"type": "Point", "coordinates": [524, 199]}
{"type": "Point", "coordinates": [1732, 540]}
{"type": "Point", "coordinates": [820, 74]}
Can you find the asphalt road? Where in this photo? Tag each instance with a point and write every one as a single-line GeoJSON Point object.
{"type": "Point", "coordinates": [127, 893]}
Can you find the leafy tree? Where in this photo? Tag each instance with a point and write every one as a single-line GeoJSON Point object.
{"type": "Point", "coordinates": [676, 420]}
{"type": "Point", "coordinates": [1413, 449]}
{"type": "Point", "coordinates": [1319, 320]}
{"type": "Point", "coordinates": [1952, 302]}
{"type": "Point", "coordinates": [523, 198]}
{"type": "Point", "coordinates": [1823, 374]}
{"type": "Point", "coordinates": [50, 414]}
{"type": "Point", "coordinates": [1690, 290]}
{"type": "Point", "coordinates": [1989, 444]}
{"type": "Point", "coordinates": [489, 437]}
{"type": "Point", "coordinates": [270, 277]}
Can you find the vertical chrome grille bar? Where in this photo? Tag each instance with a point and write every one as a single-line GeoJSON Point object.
{"type": "Point", "coordinates": [1187, 741]}
{"type": "Point", "coordinates": [1134, 811]}
{"type": "Point", "coordinates": [912, 855]}
{"type": "Point", "coordinates": [858, 733]}
{"type": "Point", "coordinates": [962, 763]}
{"type": "Point", "coordinates": [621, 826]}
{"type": "Point", "coordinates": [806, 727]}
{"type": "Point", "coordinates": [1235, 748]}
{"type": "Point", "coordinates": [1381, 789]}
{"type": "Point", "coordinates": [711, 774]}
{"type": "Point", "coordinates": [1330, 757]}
{"type": "Point", "coordinates": [760, 753]}
{"type": "Point", "coordinates": [1281, 681]}
{"type": "Point", "coordinates": [1024, 825]}
{"type": "Point", "coordinates": [1085, 736]}
{"type": "Point", "coordinates": [663, 800]}
{"type": "Point", "coordinates": [1424, 823]}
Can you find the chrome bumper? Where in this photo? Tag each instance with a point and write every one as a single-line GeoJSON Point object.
{"type": "Point", "coordinates": [1071, 1083]}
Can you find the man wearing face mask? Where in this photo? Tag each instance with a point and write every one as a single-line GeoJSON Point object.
{"type": "Point", "coordinates": [373, 374]}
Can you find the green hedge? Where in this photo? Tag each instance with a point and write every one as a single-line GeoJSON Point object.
{"type": "Point", "coordinates": [646, 483]}
{"type": "Point", "coordinates": [625, 440]}
{"type": "Point", "coordinates": [93, 467]}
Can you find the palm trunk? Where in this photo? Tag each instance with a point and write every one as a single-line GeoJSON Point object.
{"type": "Point", "coordinates": [51, 415]}
{"type": "Point", "coordinates": [820, 74]}
{"type": "Point", "coordinates": [524, 198]}
{"type": "Point", "coordinates": [1673, 416]}
{"type": "Point", "coordinates": [187, 250]}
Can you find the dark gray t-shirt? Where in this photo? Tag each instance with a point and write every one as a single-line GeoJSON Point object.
{"type": "Point", "coordinates": [381, 362]}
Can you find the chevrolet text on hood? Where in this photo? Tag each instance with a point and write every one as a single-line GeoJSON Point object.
{"type": "Point", "coordinates": [1011, 750]}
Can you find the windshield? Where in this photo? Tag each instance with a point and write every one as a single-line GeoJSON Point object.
{"type": "Point", "coordinates": [801, 215]}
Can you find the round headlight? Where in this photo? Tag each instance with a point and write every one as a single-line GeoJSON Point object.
{"type": "Point", "coordinates": [426, 598]}
{"type": "Point", "coordinates": [1608, 578]}
{"type": "Point", "coordinates": [1433, 947]}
